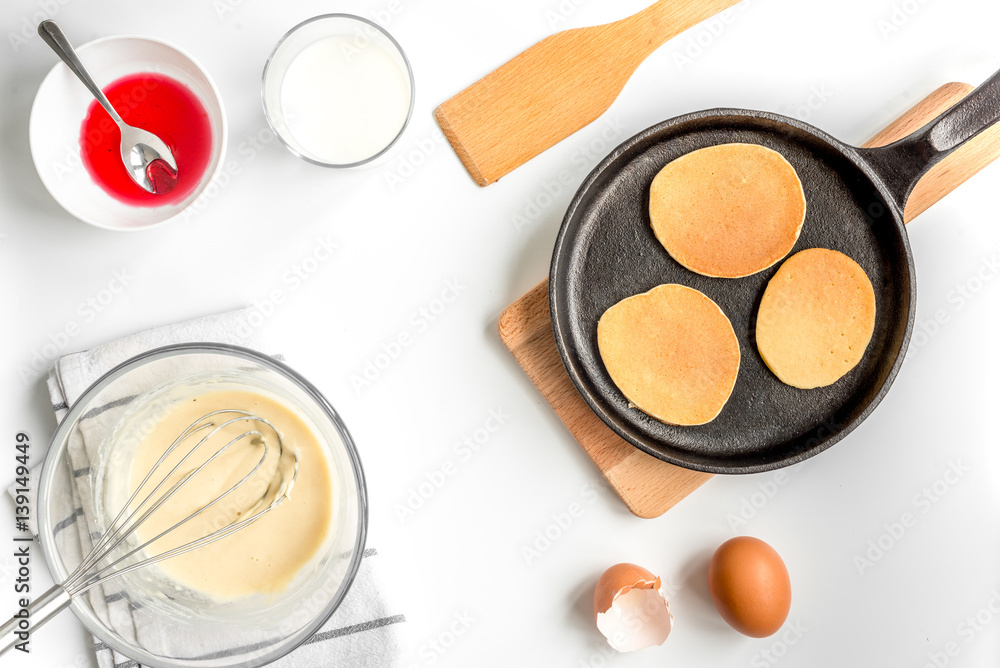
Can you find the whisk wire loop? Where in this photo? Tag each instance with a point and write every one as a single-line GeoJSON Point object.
{"type": "Point", "coordinates": [90, 574]}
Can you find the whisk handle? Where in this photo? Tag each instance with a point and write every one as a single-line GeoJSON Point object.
{"type": "Point", "coordinates": [39, 611]}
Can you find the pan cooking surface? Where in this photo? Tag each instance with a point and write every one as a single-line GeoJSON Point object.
{"type": "Point", "coordinates": [606, 252]}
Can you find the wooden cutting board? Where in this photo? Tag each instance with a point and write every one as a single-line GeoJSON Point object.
{"type": "Point", "coordinates": [648, 486]}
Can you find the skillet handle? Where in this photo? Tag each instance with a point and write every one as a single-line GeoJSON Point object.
{"type": "Point", "coordinates": [901, 164]}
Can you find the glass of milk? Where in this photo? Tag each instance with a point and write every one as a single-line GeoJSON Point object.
{"type": "Point", "coordinates": [338, 90]}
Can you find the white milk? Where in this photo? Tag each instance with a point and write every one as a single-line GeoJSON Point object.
{"type": "Point", "coordinates": [344, 103]}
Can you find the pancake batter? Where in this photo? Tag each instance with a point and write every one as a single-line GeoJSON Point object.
{"type": "Point", "coordinates": [261, 558]}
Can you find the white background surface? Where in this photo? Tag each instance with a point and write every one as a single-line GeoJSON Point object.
{"type": "Point", "coordinates": [461, 555]}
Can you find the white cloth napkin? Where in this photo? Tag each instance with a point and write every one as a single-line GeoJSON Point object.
{"type": "Point", "coordinates": [362, 632]}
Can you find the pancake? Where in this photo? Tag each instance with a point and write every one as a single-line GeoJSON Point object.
{"type": "Point", "coordinates": [672, 352]}
{"type": "Point", "coordinates": [727, 211]}
{"type": "Point", "coordinates": [816, 318]}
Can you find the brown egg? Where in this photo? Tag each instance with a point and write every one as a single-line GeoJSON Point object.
{"type": "Point", "coordinates": [749, 583]}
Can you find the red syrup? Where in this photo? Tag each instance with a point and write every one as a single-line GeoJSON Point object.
{"type": "Point", "coordinates": [160, 105]}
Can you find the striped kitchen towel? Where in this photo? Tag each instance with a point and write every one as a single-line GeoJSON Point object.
{"type": "Point", "coordinates": [362, 632]}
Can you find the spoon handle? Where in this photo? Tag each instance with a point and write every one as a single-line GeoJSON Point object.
{"type": "Point", "coordinates": [53, 35]}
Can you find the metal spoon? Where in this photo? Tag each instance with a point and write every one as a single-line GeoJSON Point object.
{"type": "Point", "coordinates": [140, 149]}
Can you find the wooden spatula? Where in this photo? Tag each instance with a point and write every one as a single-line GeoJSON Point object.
{"type": "Point", "coordinates": [557, 87]}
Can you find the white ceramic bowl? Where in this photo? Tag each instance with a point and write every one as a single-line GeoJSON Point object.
{"type": "Point", "coordinates": [60, 108]}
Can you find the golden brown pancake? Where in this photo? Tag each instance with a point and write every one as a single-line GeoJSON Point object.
{"type": "Point", "coordinates": [816, 318]}
{"type": "Point", "coordinates": [672, 352]}
{"type": "Point", "coordinates": [727, 211]}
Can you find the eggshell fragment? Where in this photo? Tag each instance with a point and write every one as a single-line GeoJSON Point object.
{"type": "Point", "coordinates": [630, 609]}
{"type": "Point", "coordinates": [750, 586]}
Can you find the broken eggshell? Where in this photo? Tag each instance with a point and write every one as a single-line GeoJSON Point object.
{"type": "Point", "coordinates": [630, 608]}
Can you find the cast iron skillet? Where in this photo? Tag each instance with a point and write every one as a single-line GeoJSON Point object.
{"type": "Point", "coordinates": [606, 252]}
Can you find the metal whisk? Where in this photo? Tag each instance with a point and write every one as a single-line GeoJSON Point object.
{"type": "Point", "coordinates": [100, 564]}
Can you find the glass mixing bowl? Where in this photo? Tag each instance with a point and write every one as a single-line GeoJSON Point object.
{"type": "Point", "coordinates": [164, 626]}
